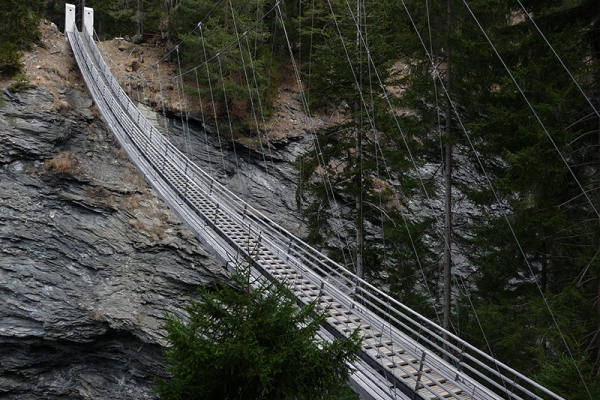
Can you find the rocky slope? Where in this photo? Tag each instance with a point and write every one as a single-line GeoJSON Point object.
{"type": "Point", "coordinates": [90, 259]}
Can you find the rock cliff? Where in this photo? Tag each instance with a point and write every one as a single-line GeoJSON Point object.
{"type": "Point", "coordinates": [90, 259]}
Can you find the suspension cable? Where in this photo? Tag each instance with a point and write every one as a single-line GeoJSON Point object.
{"type": "Point", "coordinates": [318, 151]}
{"type": "Point", "coordinates": [250, 96]}
{"type": "Point", "coordinates": [188, 35]}
{"type": "Point", "coordinates": [162, 100]}
{"type": "Point", "coordinates": [536, 115]}
{"type": "Point", "coordinates": [200, 102]}
{"type": "Point", "coordinates": [227, 46]}
{"type": "Point", "coordinates": [212, 97]}
{"type": "Point", "coordinates": [187, 141]}
{"type": "Point", "coordinates": [227, 109]}
{"type": "Point", "coordinates": [381, 84]}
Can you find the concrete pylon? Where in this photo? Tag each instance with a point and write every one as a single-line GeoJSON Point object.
{"type": "Point", "coordinates": [70, 18]}
{"type": "Point", "coordinates": [88, 21]}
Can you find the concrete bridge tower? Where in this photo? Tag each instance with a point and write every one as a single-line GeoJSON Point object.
{"type": "Point", "coordinates": [70, 18]}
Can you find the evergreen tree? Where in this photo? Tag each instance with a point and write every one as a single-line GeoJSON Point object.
{"type": "Point", "coordinates": [559, 378]}
{"type": "Point", "coordinates": [143, 18]}
{"type": "Point", "coordinates": [550, 216]}
{"type": "Point", "coordinates": [352, 50]}
{"type": "Point", "coordinates": [249, 340]}
{"type": "Point", "coordinates": [18, 29]}
{"type": "Point", "coordinates": [236, 73]}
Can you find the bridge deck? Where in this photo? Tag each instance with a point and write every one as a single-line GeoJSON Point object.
{"type": "Point", "coordinates": [399, 356]}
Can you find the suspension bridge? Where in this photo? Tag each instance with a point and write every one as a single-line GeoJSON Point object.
{"type": "Point", "coordinates": [403, 354]}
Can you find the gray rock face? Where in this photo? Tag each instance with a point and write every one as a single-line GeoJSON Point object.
{"type": "Point", "coordinates": [264, 177]}
{"type": "Point", "coordinates": [90, 259]}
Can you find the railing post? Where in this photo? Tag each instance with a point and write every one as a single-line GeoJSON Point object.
{"type": "Point", "coordinates": [148, 142]}
{"type": "Point", "coordinates": [419, 375]}
{"type": "Point", "coordinates": [165, 156]}
{"type": "Point", "coordinates": [287, 255]}
{"type": "Point", "coordinates": [460, 360]}
{"type": "Point", "coordinates": [187, 179]}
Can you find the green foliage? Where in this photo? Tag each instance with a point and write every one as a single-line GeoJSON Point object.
{"type": "Point", "coordinates": [557, 239]}
{"type": "Point", "coordinates": [345, 177]}
{"type": "Point", "coordinates": [128, 17]}
{"type": "Point", "coordinates": [339, 54]}
{"type": "Point", "coordinates": [556, 226]}
{"type": "Point", "coordinates": [249, 340]}
{"type": "Point", "coordinates": [20, 82]}
{"type": "Point", "coordinates": [552, 240]}
{"type": "Point", "coordinates": [564, 378]}
{"type": "Point", "coordinates": [413, 264]}
{"type": "Point", "coordinates": [18, 28]}
{"type": "Point", "coordinates": [238, 80]}
{"type": "Point", "coordinates": [19, 23]}
{"type": "Point", "coordinates": [147, 18]}
{"type": "Point", "coordinates": [10, 58]}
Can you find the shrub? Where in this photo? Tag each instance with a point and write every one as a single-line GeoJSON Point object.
{"type": "Point", "coordinates": [20, 82]}
{"type": "Point", "coordinates": [10, 59]}
{"type": "Point", "coordinates": [249, 340]}
{"type": "Point", "coordinates": [62, 163]}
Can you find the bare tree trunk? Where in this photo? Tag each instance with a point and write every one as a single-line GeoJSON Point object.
{"type": "Point", "coordinates": [448, 187]}
{"type": "Point", "coordinates": [170, 5]}
{"type": "Point", "coordinates": [226, 16]}
{"type": "Point", "coordinates": [82, 13]}
{"type": "Point", "coordinates": [139, 18]}
{"type": "Point", "coordinates": [597, 363]}
{"type": "Point", "coordinates": [360, 234]}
